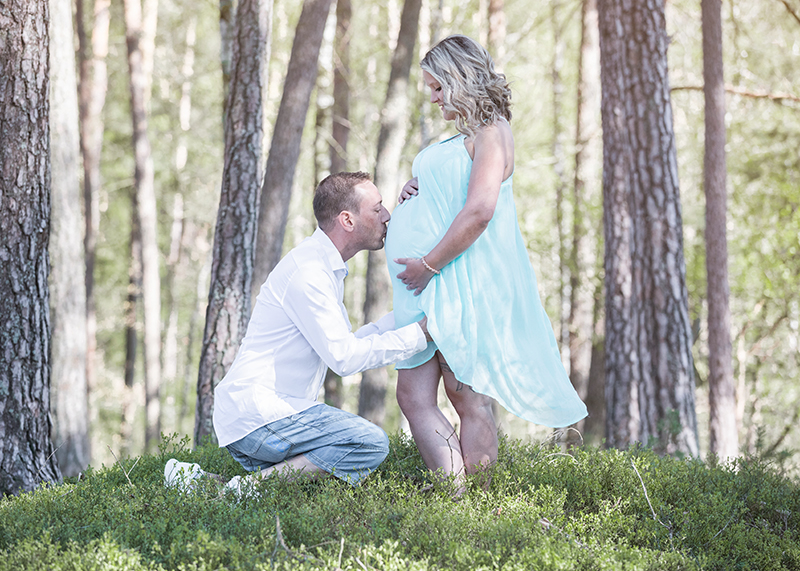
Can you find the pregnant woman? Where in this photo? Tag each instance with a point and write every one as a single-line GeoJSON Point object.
{"type": "Point", "coordinates": [456, 255]}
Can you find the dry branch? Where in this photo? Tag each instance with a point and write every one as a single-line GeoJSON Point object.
{"type": "Point", "coordinates": [777, 97]}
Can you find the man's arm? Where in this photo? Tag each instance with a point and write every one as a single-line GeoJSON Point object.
{"type": "Point", "coordinates": [311, 303]}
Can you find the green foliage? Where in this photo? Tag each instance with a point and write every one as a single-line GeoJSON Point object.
{"type": "Point", "coordinates": [544, 509]}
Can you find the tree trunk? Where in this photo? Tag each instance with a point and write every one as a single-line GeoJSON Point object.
{"type": "Point", "coordinates": [227, 17]}
{"type": "Point", "coordinates": [287, 133]}
{"type": "Point", "coordinates": [496, 39]}
{"type": "Point", "coordinates": [586, 191]}
{"type": "Point", "coordinates": [391, 138]}
{"type": "Point", "coordinates": [92, 96]}
{"type": "Point", "coordinates": [340, 133]}
{"type": "Point", "coordinates": [722, 396]}
{"type": "Point", "coordinates": [341, 88]}
{"type": "Point", "coordinates": [27, 457]}
{"type": "Point", "coordinates": [228, 309]}
{"type": "Point", "coordinates": [649, 368]}
{"type": "Point", "coordinates": [127, 397]}
{"type": "Point", "coordinates": [559, 167]}
{"type": "Point", "coordinates": [178, 217]}
{"type": "Point", "coordinates": [145, 207]}
{"type": "Point", "coordinates": [70, 398]}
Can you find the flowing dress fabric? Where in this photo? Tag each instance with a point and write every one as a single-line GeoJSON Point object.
{"type": "Point", "coordinates": [483, 309]}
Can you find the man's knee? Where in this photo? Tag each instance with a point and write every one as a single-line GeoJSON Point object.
{"type": "Point", "coordinates": [375, 437]}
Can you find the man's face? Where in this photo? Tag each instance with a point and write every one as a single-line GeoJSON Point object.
{"type": "Point", "coordinates": [370, 228]}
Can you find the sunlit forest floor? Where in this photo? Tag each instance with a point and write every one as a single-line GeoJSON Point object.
{"type": "Point", "coordinates": [546, 507]}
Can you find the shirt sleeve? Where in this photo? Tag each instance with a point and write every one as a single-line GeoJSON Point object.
{"type": "Point", "coordinates": [384, 324]}
{"type": "Point", "coordinates": [311, 302]}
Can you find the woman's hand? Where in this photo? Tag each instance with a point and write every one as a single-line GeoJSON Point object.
{"type": "Point", "coordinates": [411, 188]}
{"type": "Point", "coordinates": [416, 276]}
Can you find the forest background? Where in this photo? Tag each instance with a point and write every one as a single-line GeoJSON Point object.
{"type": "Point", "coordinates": [540, 56]}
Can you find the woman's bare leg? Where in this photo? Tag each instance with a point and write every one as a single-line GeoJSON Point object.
{"type": "Point", "coordinates": [478, 428]}
{"type": "Point", "coordinates": [434, 435]}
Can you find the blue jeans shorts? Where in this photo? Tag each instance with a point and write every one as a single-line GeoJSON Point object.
{"type": "Point", "coordinates": [341, 443]}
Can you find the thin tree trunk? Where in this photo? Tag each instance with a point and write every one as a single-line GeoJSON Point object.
{"type": "Point", "coordinates": [284, 151]}
{"type": "Point", "coordinates": [650, 387]}
{"type": "Point", "coordinates": [341, 88]}
{"type": "Point", "coordinates": [237, 219]}
{"type": "Point", "coordinates": [145, 206]}
{"type": "Point", "coordinates": [92, 97]}
{"type": "Point", "coordinates": [227, 18]}
{"type": "Point", "coordinates": [173, 262]}
{"type": "Point", "coordinates": [391, 138]}
{"type": "Point", "coordinates": [559, 160]}
{"type": "Point", "coordinates": [496, 40]}
{"type": "Point", "coordinates": [70, 398]}
{"type": "Point", "coordinates": [178, 220]}
{"type": "Point", "coordinates": [340, 134]}
{"type": "Point", "coordinates": [27, 457]}
{"type": "Point", "coordinates": [586, 191]}
{"type": "Point", "coordinates": [128, 400]}
{"type": "Point", "coordinates": [722, 395]}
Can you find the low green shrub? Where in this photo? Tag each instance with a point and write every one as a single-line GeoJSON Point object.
{"type": "Point", "coordinates": [544, 509]}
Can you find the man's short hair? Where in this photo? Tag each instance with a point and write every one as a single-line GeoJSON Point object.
{"type": "Point", "coordinates": [335, 194]}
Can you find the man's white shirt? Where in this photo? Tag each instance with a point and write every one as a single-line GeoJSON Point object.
{"type": "Point", "coordinates": [298, 329]}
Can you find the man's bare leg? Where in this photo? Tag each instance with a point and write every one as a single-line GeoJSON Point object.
{"type": "Point", "coordinates": [478, 428]}
{"type": "Point", "coordinates": [295, 468]}
{"type": "Point", "coordinates": [433, 434]}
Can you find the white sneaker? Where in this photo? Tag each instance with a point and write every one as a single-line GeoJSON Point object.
{"type": "Point", "coordinates": [236, 485]}
{"type": "Point", "coordinates": [181, 475]}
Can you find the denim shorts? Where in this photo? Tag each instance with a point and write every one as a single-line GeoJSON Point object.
{"type": "Point", "coordinates": [341, 443]}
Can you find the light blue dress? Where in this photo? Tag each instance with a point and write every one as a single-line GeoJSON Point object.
{"type": "Point", "coordinates": [483, 309]}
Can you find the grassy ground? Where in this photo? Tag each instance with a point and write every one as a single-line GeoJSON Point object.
{"type": "Point", "coordinates": [545, 509]}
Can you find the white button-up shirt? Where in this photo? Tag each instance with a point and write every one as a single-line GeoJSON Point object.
{"type": "Point", "coordinates": [298, 329]}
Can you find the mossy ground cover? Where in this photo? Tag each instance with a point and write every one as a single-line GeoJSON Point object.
{"type": "Point", "coordinates": [544, 509]}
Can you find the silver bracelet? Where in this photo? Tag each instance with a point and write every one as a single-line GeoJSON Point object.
{"type": "Point", "coordinates": [427, 267]}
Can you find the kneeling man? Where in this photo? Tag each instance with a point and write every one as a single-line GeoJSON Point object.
{"type": "Point", "coordinates": [265, 409]}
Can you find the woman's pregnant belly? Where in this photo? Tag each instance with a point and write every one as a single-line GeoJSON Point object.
{"type": "Point", "coordinates": [415, 228]}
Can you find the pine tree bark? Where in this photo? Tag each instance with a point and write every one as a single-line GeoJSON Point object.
{"type": "Point", "coordinates": [586, 191]}
{"type": "Point", "coordinates": [650, 386]}
{"type": "Point", "coordinates": [287, 133]}
{"type": "Point", "coordinates": [391, 138]}
{"type": "Point", "coordinates": [93, 84]}
{"type": "Point", "coordinates": [138, 26]}
{"type": "Point", "coordinates": [69, 394]}
{"type": "Point", "coordinates": [27, 457]}
{"type": "Point", "coordinates": [724, 435]}
{"type": "Point", "coordinates": [228, 309]}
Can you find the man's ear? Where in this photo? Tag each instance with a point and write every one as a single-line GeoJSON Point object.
{"type": "Point", "coordinates": [346, 220]}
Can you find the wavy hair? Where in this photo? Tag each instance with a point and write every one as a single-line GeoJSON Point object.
{"type": "Point", "coordinates": [471, 88]}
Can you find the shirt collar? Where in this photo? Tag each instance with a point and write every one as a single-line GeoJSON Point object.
{"type": "Point", "coordinates": [331, 253]}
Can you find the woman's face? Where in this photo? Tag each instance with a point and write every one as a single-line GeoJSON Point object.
{"type": "Point", "coordinates": [437, 95]}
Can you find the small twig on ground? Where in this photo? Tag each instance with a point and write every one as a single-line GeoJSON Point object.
{"type": "Point", "coordinates": [39, 471]}
{"type": "Point", "coordinates": [647, 497]}
{"type": "Point", "coordinates": [570, 456]}
{"type": "Point", "coordinates": [121, 467]}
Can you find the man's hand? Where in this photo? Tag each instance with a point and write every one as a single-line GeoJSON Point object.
{"type": "Point", "coordinates": [416, 276]}
{"type": "Point", "coordinates": [411, 188]}
{"type": "Point", "coordinates": [423, 323]}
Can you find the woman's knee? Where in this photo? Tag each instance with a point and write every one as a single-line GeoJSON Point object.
{"type": "Point", "coordinates": [469, 403]}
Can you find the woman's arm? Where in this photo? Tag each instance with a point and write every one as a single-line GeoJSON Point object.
{"type": "Point", "coordinates": [493, 157]}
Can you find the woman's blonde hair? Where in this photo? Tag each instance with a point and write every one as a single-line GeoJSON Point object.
{"type": "Point", "coordinates": [471, 88]}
